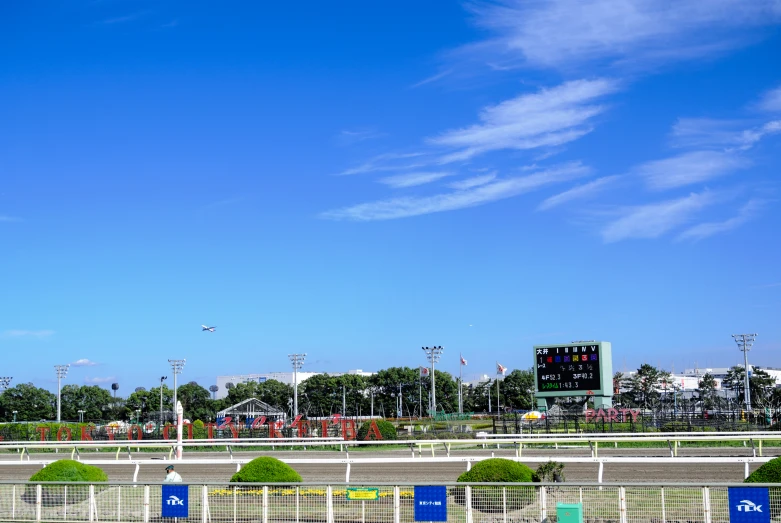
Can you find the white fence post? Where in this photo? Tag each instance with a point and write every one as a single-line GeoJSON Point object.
{"type": "Point", "coordinates": [543, 504]}
{"type": "Point", "coordinates": [38, 494]}
{"type": "Point", "coordinates": [622, 504]}
{"type": "Point", "coordinates": [329, 503]}
{"type": "Point", "coordinates": [146, 503]}
{"type": "Point", "coordinates": [92, 507]}
{"type": "Point", "coordinates": [468, 494]}
{"type": "Point", "coordinates": [706, 503]}
{"type": "Point", "coordinates": [396, 505]}
{"type": "Point", "coordinates": [204, 504]}
{"type": "Point", "coordinates": [265, 503]}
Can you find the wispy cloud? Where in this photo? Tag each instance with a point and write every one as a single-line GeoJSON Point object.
{"type": "Point", "coordinates": [475, 181]}
{"type": "Point", "coordinates": [122, 19]}
{"type": "Point", "coordinates": [387, 162]}
{"type": "Point", "coordinates": [28, 334]}
{"type": "Point", "coordinates": [412, 179]}
{"type": "Point", "coordinates": [689, 168]}
{"type": "Point", "coordinates": [4, 218]}
{"type": "Point", "coordinates": [654, 220]}
{"type": "Point", "coordinates": [350, 137]}
{"type": "Point", "coordinates": [98, 381]}
{"type": "Point", "coordinates": [414, 206]}
{"type": "Point", "coordinates": [560, 33]}
{"type": "Point", "coordinates": [705, 230]}
{"type": "Point", "coordinates": [577, 193]}
{"type": "Point", "coordinates": [725, 135]}
{"type": "Point", "coordinates": [84, 362]}
{"type": "Point", "coordinates": [771, 100]}
{"type": "Point", "coordinates": [549, 117]}
{"type": "Point", "coordinates": [432, 78]}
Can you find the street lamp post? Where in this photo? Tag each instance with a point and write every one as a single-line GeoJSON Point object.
{"type": "Point", "coordinates": [433, 354]}
{"type": "Point", "coordinates": [177, 366]}
{"type": "Point", "coordinates": [745, 341]}
{"type": "Point", "coordinates": [297, 360]}
{"type": "Point", "coordinates": [162, 379]}
{"type": "Point", "coordinates": [62, 371]}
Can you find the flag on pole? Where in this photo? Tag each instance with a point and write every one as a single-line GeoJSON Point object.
{"type": "Point", "coordinates": [500, 369]}
{"type": "Point", "coordinates": [463, 361]}
{"type": "Point", "coordinates": [424, 371]}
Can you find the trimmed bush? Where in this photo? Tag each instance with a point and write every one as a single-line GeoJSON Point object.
{"type": "Point", "coordinates": [496, 470]}
{"type": "Point", "coordinates": [387, 429]}
{"type": "Point", "coordinates": [770, 472]}
{"type": "Point", "coordinates": [64, 470]}
{"type": "Point", "coordinates": [266, 470]}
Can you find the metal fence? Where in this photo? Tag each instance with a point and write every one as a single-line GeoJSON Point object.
{"type": "Point", "coordinates": [467, 503]}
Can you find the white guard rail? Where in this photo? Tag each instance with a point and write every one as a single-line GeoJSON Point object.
{"type": "Point", "coordinates": [374, 503]}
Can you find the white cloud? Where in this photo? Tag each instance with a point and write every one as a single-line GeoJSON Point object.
{"type": "Point", "coordinates": [28, 334]}
{"type": "Point", "coordinates": [771, 101]}
{"type": "Point", "coordinates": [350, 137]}
{"type": "Point", "coordinates": [98, 381]}
{"type": "Point", "coordinates": [475, 181]}
{"type": "Point", "coordinates": [704, 230]}
{"type": "Point", "coordinates": [84, 362]}
{"type": "Point", "coordinates": [689, 168]}
{"type": "Point", "coordinates": [654, 220]}
{"type": "Point", "coordinates": [549, 117]}
{"type": "Point", "coordinates": [412, 179]}
{"type": "Point", "coordinates": [559, 33]}
{"type": "Point", "coordinates": [576, 193]}
{"type": "Point", "coordinates": [386, 162]}
{"type": "Point", "coordinates": [415, 206]}
{"type": "Point", "coordinates": [433, 78]}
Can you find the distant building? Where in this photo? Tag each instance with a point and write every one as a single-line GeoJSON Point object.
{"type": "Point", "coordinates": [283, 377]}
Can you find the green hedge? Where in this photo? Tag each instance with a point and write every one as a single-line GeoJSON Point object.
{"type": "Point", "coordinates": [266, 470]}
{"type": "Point", "coordinates": [64, 470]}
{"type": "Point", "coordinates": [497, 470]}
{"type": "Point", "coordinates": [387, 429]}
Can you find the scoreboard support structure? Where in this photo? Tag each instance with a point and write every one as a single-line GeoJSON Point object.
{"type": "Point", "coordinates": [583, 368]}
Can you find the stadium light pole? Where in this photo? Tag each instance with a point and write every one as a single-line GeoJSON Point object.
{"type": "Point", "coordinates": [62, 371]}
{"type": "Point", "coordinates": [745, 341]}
{"type": "Point", "coordinates": [433, 354]}
{"type": "Point", "coordinates": [177, 366]}
{"type": "Point", "coordinates": [5, 382]}
{"type": "Point", "coordinates": [297, 360]}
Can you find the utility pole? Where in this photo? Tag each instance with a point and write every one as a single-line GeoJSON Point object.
{"type": "Point", "coordinates": [298, 361]}
{"type": "Point", "coordinates": [162, 379]}
{"type": "Point", "coordinates": [433, 354]}
{"type": "Point", "coordinates": [745, 341]}
{"type": "Point", "coordinates": [177, 366]}
{"type": "Point", "coordinates": [62, 371]}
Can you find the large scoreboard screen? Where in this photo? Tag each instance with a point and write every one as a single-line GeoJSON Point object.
{"type": "Point", "coordinates": [573, 369]}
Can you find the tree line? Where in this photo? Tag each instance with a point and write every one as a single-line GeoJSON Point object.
{"type": "Point", "coordinates": [383, 394]}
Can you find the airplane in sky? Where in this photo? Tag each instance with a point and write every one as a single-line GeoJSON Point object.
{"type": "Point", "coordinates": [205, 328]}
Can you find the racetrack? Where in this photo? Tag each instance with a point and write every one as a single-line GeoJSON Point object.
{"type": "Point", "coordinates": [415, 472]}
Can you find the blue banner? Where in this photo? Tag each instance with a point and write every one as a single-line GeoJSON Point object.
{"type": "Point", "coordinates": [430, 503]}
{"type": "Point", "coordinates": [749, 505]}
{"type": "Point", "coordinates": [175, 501]}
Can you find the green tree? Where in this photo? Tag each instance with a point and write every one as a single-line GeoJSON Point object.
{"type": "Point", "coordinates": [646, 385]}
{"type": "Point", "coordinates": [388, 383]}
{"type": "Point", "coordinates": [760, 382]}
{"type": "Point", "coordinates": [517, 389]}
{"type": "Point", "coordinates": [707, 391]}
{"type": "Point", "coordinates": [95, 401]}
{"type": "Point", "coordinates": [30, 402]}
{"type": "Point", "coordinates": [196, 402]}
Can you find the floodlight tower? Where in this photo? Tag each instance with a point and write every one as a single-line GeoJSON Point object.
{"type": "Point", "coordinates": [5, 382]}
{"type": "Point", "coordinates": [298, 361]}
{"type": "Point", "coordinates": [177, 366]}
{"type": "Point", "coordinates": [62, 371]}
{"type": "Point", "coordinates": [745, 341]}
{"type": "Point", "coordinates": [433, 354]}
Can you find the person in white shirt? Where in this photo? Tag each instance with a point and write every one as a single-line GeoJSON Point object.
{"type": "Point", "coordinates": [171, 476]}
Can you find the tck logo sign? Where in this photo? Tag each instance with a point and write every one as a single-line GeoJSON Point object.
{"type": "Point", "coordinates": [749, 505]}
{"type": "Point", "coordinates": [174, 501]}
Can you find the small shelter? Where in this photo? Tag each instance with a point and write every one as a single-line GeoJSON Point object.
{"type": "Point", "coordinates": [253, 408]}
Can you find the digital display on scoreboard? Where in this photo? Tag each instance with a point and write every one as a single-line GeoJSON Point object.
{"type": "Point", "coordinates": [568, 368]}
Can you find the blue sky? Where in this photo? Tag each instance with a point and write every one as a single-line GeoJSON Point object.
{"type": "Point", "coordinates": [355, 180]}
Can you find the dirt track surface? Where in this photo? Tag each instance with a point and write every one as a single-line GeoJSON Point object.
{"type": "Point", "coordinates": [414, 472]}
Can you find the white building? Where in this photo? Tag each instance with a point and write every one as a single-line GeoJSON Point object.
{"type": "Point", "coordinates": [283, 377]}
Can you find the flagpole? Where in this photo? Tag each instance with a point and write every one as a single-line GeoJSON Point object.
{"type": "Point", "coordinates": [460, 383]}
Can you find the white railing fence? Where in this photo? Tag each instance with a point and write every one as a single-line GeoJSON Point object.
{"type": "Point", "coordinates": [394, 503]}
